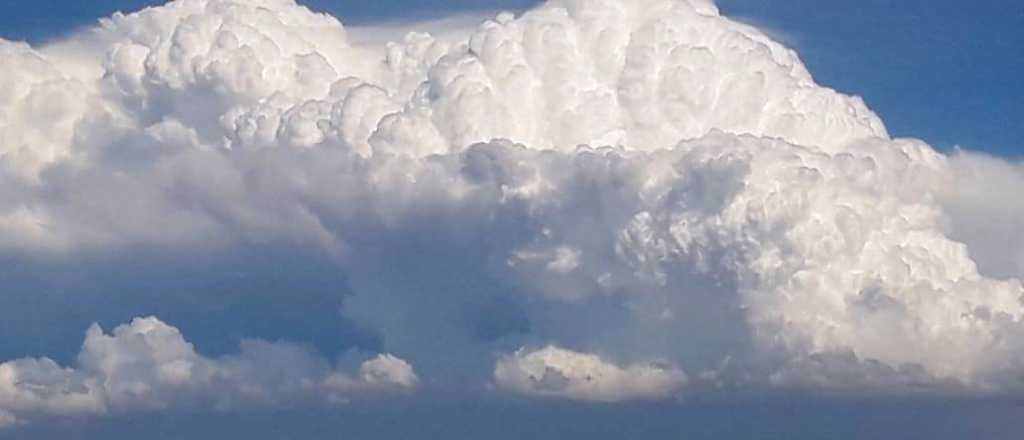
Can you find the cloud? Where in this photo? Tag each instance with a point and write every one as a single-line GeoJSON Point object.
{"type": "Point", "coordinates": [641, 179]}
{"type": "Point", "coordinates": [148, 365]}
{"type": "Point", "coordinates": [556, 372]}
{"type": "Point", "coordinates": [191, 96]}
{"type": "Point", "coordinates": [386, 369]}
{"type": "Point", "coordinates": [984, 213]}
{"type": "Point", "coordinates": [451, 29]}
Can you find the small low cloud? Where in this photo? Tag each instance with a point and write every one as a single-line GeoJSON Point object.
{"type": "Point", "coordinates": [556, 372]}
{"type": "Point", "coordinates": [148, 365]}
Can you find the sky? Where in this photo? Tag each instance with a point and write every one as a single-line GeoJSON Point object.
{"type": "Point", "coordinates": [583, 219]}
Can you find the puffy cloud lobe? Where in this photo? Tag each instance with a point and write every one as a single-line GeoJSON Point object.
{"type": "Point", "coordinates": [384, 370]}
{"type": "Point", "coordinates": [148, 365]}
{"type": "Point", "coordinates": [197, 59]}
{"type": "Point", "coordinates": [639, 74]}
{"type": "Point", "coordinates": [387, 369]}
{"type": "Point", "coordinates": [39, 108]}
{"type": "Point", "coordinates": [556, 372]}
{"type": "Point", "coordinates": [674, 185]}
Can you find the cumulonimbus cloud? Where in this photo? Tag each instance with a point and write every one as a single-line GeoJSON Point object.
{"type": "Point", "coordinates": [643, 179]}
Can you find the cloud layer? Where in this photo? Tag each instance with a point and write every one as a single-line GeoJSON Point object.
{"type": "Point", "coordinates": [662, 197]}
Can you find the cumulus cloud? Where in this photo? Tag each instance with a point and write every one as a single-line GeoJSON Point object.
{"type": "Point", "coordinates": [556, 372]}
{"type": "Point", "coordinates": [642, 179]}
{"type": "Point", "coordinates": [148, 365]}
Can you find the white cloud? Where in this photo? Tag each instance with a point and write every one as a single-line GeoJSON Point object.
{"type": "Point", "coordinates": [984, 211]}
{"type": "Point", "coordinates": [386, 369]}
{"type": "Point", "coordinates": [148, 365]}
{"type": "Point", "coordinates": [556, 372]}
{"type": "Point", "coordinates": [40, 385]}
{"type": "Point", "coordinates": [645, 177]}
{"type": "Point", "coordinates": [450, 29]}
{"type": "Point", "coordinates": [170, 135]}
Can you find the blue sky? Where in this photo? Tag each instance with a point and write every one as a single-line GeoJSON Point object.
{"type": "Point", "coordinates": [461, 261]}
{"type": "Point", "coordinates": [934, 69]}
